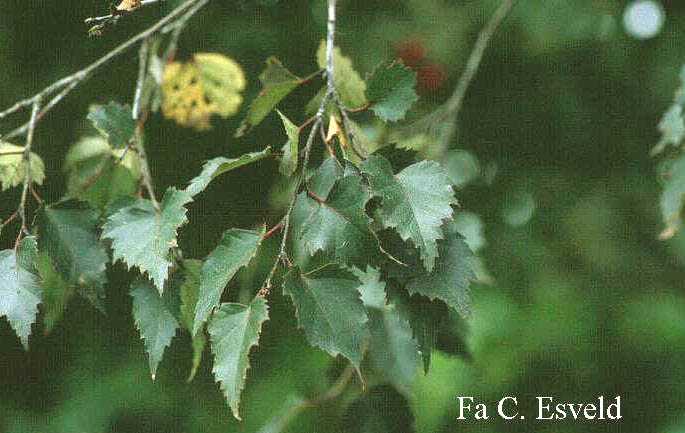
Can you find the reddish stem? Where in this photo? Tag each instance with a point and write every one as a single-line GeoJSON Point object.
{"type": "Point", "coordinates": [273, 229]}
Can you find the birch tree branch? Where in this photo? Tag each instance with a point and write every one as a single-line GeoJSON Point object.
{"type": "Point", "coordinates": [70, 82]}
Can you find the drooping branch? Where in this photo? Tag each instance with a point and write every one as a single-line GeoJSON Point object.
{"type": "Point", "coordinates": [316, 128]}
{"type": "Point", "coordinates": [450, 110]}
{"type": "Point", "coordinates": [139, 113]}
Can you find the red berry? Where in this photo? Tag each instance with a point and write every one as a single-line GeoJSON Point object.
{"type": "Point", "coordinates": [431, 76]}
{"type": "Point", "coordinates": [410, 51]}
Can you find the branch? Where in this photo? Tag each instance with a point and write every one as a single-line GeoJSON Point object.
{"type": "Point", "coordinates": [26, 158]}
{"type": "Point", "coordinates": [451, 108]}
{"type": "Point", "coordinates": [333, 392]}
{"type": "Point", "coordinates": [142, 70]}
{"type": "Point", "coordinates": [282, 255]}
{"type": "Point", "coordinates": [330, 43]}
{"type": "Point", "coordinates": [330, 93]}
{"type": "Point", "coordinates": [99, 23]}
{"type": "Point", "coordinates": [330, 74]}
{"type": "Point", "coordinates": [68, 83]}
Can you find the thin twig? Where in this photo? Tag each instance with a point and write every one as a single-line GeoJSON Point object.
{"type": "Point", "coordinates": [54, 101]}
{"type": "Point", "coordinates": [26, 159]}
{"type": "Point", "coordinates": [273, 229]}
{"type": "Point", "coordinates": [142, 69]}
{"type": "Point", "coordinates": [140, 113]}
{"type": "Point", "coordinates": [83, 74]}
{"type": "Point", "coordinates": [286, 220]}
{"type": "Point", "coordinates": [451, 108]}
{"type": "Point", "coordinates": [144, 167]}
{"type": "Point", "coordinates": [94, 176]}
{"type": "Point", "coordinates": [330, 75]}
{"type": "Point", "coordinates": [99, 23]}
{"type": "Point", "coordinates": [8, 220]}
{"type": "Point", "coordinates": [330, 93]}
{"type": "Point", "coordinates": [176, 28]}
{"type": "Point", "coordinates": [331, 394]}
{"type": "Point", "coordinates": [330, 42]}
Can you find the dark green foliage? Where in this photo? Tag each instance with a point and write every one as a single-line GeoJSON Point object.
{"type": "Point", "coordinates": [68, 234]}
{"type": "Point", "coordinates": [390, 91]}
{"type": "Point", "coordinates": [329, 310]}
{"type": "Point", "coordinates": [414, 202]}
{"type": "Point", "coordinates": [155, 317]}
{"type": "Point", "coordinates": [235, 250]}
{"type": "Point", "coordinates": [142, 238]}
{"type": "Point", "coordinates": [277, 83]}
{"type": "Point", "coordinates": [115, 122]}
{"type": "Point", "coordinates": [233, 331]}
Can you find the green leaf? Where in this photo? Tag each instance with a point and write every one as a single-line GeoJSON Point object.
{"type": "Point", "coordinates": [673, 195]}
{"type": "Point", "coordinates": [94, 175]}
{"type": "Point", "coordinates": [393, 354]}
{"type": "Point", "coordinates": [192, 270]}
{"type": "Point", "coordinates": [221, 165]}
{"type": "Point", "coordinates": [235, 250]}
{"type": "Point", "coordinates": [13, 169]}
{"type": "Point", "coordinates": [347, 81]}
{"type": "Point", "coordinates": [339, 226]}
{"type": "Point", "coordinates": [19, 288]}
{"type": "Point", "coordinates": [390, 90]}
{"type": "Point", "coordinates": [322, 181]}
{"type": "Point", "coordinates": [672, 126]}
{"type": "Point", "coordinates": [427, 319]}
{"type": "Point", "coordinates": [155, 317]}
{"type": "Point", "coordinates": [55, 292]}
{"type": "Point", "coordinates": [277, 83]}
{"type": "Point", "coordinates": [68, 234]}
{"type": "Point", "coordinates": [329, 310]}
{"type": "Point", "coordinates": [469, 225]}
{"type": "Point", "coordinates": [372, 288]}
{"type": "Point", "coordinates": [141, 237]}
{"type": "Point", "coordinates": [450, 279]}
{"type": "Point", "coordinates": [288, 164]}
{"type": "Point", "coordinates": [114, 121]}
{"type": "Point", "coordinates": [414, 202]}
{"type": "Point", "coordinates": [233, 330]}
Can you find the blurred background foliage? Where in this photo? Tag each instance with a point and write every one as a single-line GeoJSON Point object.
{"type": "Point", "coordinates": [577, 296]}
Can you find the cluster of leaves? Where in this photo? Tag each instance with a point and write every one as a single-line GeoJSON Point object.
{"type": "Point", "coordinates": [374, 265]}
{"type": "Point", "coordinates": [672, 167]}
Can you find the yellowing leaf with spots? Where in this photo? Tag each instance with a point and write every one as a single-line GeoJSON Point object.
{"type": "Point", "coordinates": [13, 168]}
{"type": "Point", "coordinates": [209, 84]}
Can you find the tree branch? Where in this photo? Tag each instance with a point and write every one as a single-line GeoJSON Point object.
{"type": "Point", "coordinates": [99, 23]}
{"type": "Point", "coordinates": [330, 43]}
{"type": "Point", "coordinates": [330, 93]}
{"type": "Point", "coordinates": [68, 83]}
{"type": "Point", "coordinates": [282, 255]}
{"type": "Point", "coordinates": [332, 393]}
{"type": "Point", "coordinates": [26, 158]}
{"type": "Point", "coordinates": [450, 110]}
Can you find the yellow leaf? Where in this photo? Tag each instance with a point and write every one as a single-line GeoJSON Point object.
{"type": "Point", "coordinates": [334, 129]}
{"type": "Point", "coordinates": [128, 5]}
{"type": "Point", "coordinates": [208, 85]}
{"type": "Point", "coordinates": [13, 169]}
